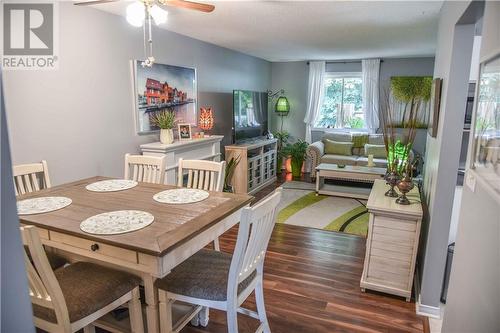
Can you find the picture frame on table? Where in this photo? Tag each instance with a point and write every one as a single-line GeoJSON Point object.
{"type": "Point", "coordinates": [184, 131]}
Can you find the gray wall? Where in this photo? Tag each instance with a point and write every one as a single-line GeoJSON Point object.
{"type": "Point", "coordinates": [473, 303]}
{"type": "Point", "coordinates": [293, 77]}
{"type": "Point", "coordinates": [453, 57]}
{"type": "Point", "coordinates": [80, 117]}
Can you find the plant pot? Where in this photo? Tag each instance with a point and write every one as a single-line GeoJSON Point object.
{"type": "Point", "coordinates": [166, 136]}
{"type": "Point", "coordinates": [296, 167]}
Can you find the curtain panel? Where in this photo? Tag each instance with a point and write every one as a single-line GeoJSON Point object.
{"type": "Point", "coordinates": [371, 73]}
{"type": "Point", "coordinates": [315, 93]}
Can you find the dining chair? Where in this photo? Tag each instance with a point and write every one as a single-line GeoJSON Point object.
{"type": "Point", "coordinates": [202, 175]}
{"type": "Point", "coordinates": [218, 280]}
{"type": "Point", "coordinates": [148, 169]}
{"type": "Point", "coordinates": [73, 297]}
{"type": "Point", "coordinates": [30, 177]}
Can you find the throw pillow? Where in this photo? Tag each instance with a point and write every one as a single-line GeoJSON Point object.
{"type": "Point", "coordinates": [378, 151]}
{"type": "Point", "coordinates": [338, 148]}
{"type": "Point", "coordinates": [359, 139]}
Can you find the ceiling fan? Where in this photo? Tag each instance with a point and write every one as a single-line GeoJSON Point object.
{"type": "Point", "coordinates": [141, 12]}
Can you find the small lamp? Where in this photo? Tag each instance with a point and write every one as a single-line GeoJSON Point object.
{"type": "Point", "coordinates": [206, 122]}
{"type": "Point", "coordinates": [282, 106]}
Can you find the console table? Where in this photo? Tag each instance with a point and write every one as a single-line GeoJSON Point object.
{"type": "Point", "coordinates": [392, 243]}
{"type": "Point", "coordinates": [207, 148]}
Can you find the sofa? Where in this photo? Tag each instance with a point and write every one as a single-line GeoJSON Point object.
{"type": "Point", "coordinates": [355, 155]}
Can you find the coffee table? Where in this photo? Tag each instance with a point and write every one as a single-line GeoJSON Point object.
{"type": "Point", "coordinates": [358, 174]}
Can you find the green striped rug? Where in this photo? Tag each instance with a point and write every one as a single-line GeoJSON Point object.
{"type": "Point", "coordinates": [304, 208]}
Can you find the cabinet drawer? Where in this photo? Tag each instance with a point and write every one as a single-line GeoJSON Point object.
{"type": "Point", "coordinates": [394, 236]}
{"type": "Point", "coordinates": [392, 223]}
{"type": "Point", "coordinates": [95, 247]}
{"type": "Point", "coordinates": [404, 254]}
{"type": "Point", "coordinates": [388, 265]}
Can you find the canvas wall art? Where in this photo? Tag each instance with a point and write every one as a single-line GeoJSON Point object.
{"type": "Point", "coordinates": [164, 87]}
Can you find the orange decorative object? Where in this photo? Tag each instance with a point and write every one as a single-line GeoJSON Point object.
{"type": "Point", "coordinates": [288, 165]}
{"type": "Point", "coordinates": [206, 119]}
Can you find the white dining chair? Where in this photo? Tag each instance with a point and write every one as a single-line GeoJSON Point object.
{"type": "Point", "coordinates": [202, 175]}
{"type": "Point", "coordinates": [30, 177]}
{"type": "Point", "coordinates": [148, 169]}
{"type": "Point", "coordinates": [75, 296]}
{"type": "Point", "coordinates": [218, 280]}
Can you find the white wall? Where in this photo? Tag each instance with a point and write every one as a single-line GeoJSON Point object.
{"type": "Point", "coordinates": [80, 117]}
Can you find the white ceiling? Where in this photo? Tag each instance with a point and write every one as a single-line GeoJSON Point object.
{"type": "Point", "coordinates": [311, 30]}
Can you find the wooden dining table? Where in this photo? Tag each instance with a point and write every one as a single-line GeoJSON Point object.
{"type": "Point", "coordinates": [178, 230]}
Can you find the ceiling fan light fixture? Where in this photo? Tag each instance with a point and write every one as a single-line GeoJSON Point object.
{"type": "Point", "coordinates": [136, 14]}
{"type": "Point", "coordinates": [159, 15]}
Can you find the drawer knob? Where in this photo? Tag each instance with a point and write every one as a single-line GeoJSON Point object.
{"type": "Point", "coordinates": [94, 247]}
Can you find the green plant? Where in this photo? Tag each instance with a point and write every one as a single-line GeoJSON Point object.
{"type": "Point", "coordinates": [282, 137]}
{"type": "Point", "coordinates": [230, 167]}
{"type": "Point", "coordinates": [163, 119]}
{"type": "Point", "coordinates": [297, 151]}
{"type": "Point", "coordinates": [355, 122]}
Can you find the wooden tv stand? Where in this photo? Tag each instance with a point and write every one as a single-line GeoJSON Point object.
{"type": "Point", "coordinates": [257, 167]}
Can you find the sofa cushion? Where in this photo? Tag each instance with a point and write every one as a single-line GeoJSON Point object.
{"type": "Point", "coordinates": [379, 162]}
{"type": "Point", "coordinates": [338, 159]}
{"type": "Point", "coordinates": [376, 139]}
{"type": "Point", "coordinates": [341, 137]}
{"type": "Point", "coordinates": [359, 140]}
{"type": "Point", "coordinates": [337, 147]}
{"type": "Point", "coordinates": [378, 151]}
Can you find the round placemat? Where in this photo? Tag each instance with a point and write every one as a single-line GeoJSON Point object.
{"type": "Point", "coordinates": [181, 196]}
{"type": "Point", "coordinates": [111, 185]}
{"type": "Point", "coordinates": [117, 222]}
{"type": "Point", "coordinates": [41, 205]}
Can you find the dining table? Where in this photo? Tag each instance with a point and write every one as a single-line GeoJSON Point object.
{"type": "Point", "coordinates": [177, 232]}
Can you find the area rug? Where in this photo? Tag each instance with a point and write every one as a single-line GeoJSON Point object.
{"type": "Point", "coordinates": [303, 208]}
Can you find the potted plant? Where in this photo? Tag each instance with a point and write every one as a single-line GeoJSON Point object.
{"type": "Point", "coordinates": [230, 167]}
{"type": "Point", "coordinates": [282, 137]}
{"type": "Point", "coordinates": [297, 151]}
{"type": "Point", "coordinates": [165, 120]}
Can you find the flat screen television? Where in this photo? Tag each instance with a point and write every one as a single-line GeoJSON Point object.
{"type": "Point", "coordinates": [249, 115]}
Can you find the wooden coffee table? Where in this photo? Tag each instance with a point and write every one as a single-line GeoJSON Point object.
{"type": "Point", "coordinates": [358, 174]}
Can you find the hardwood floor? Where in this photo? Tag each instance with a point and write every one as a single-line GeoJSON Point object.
{"type": "Point", "coordinates": [311, 281]}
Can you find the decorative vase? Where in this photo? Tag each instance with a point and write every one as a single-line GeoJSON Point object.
{"type": "Point", "coordinates": [392, 180]}
{"type": "Point", "coordinates": [296, 167]}
{"type": "Point", "coordinates": [166, 136]}
{"type": "Point", "coordinates": [404, 186]}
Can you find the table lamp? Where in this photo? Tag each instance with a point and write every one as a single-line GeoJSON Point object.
{"type": "Point", "coordinates": [206, 122]}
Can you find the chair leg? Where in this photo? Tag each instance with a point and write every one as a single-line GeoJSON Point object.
{"type": "Point", "coordinates": [216, 244]}
{"type": "Point", "coordinates": [135, 312]}
{"type": "Point", "coordinates": [232, 320]}
{"type": "Point", "coordinates": [261, 309]}
{"type": "Point", "coordinates": [203, 316]}
{"type": "Point", "coordinates": [165, 308]}
{"type": "Point", "coordinates": [89, 329]}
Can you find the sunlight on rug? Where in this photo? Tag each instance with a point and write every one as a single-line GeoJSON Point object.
{"type": "Point", "coordinates": [303, 208]}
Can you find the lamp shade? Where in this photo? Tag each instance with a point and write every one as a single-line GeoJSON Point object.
{"type": "Point", "coordinates": [206, 119]}
{"type": "Point", "coordinates": [282, 105]}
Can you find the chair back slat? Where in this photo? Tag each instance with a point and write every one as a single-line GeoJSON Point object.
{"type": "Point", "coordinates": [202, 175]}
{"type": "Point", "coordinates": [30, 177]}
{"type": "Point", "coordinates": [255, 228]}
{"type": "Point", "coordinates": [44, 287]}
{"type": "Point", "coordinates": [147, 169]}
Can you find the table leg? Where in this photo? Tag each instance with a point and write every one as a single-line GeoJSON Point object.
{"type": "Point", "coordinates": [151, 293]}
{"type": "Point", "coordinates": [319, 182]}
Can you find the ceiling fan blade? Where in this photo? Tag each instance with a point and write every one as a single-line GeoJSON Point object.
{"type": "Point", "coordinates": [93, 2]}
{"type": "Point", "coordinates": [202, 7]}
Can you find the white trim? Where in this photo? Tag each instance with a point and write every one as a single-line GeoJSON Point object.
{"type": "Point", "coordinates": [336, 75]}
{"type": "Point", "coordinates": [427, 310]}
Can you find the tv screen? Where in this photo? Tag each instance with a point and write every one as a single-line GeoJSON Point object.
{"type": "Point", "coordinates": [249, 115]}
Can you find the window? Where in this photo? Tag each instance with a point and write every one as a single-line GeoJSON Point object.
{"type": "Point", "coordinates": [343, 101]}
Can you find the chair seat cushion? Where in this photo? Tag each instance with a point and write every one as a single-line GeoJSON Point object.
{"type": "Point", "coordinates": [379, 162]}
{"type": "Point", "coordinates": [204, 276]}
{"type": "Point", "coordinates": [88, 287]}
{"type": "Point", "coordinates": [338, 159]}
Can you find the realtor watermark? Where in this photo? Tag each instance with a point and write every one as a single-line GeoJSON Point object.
{"type": "Point", "coordinates": [30, 37]}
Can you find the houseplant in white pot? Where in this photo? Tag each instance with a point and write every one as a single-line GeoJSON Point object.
{"type": "Point", "coordinates": [165, 120]}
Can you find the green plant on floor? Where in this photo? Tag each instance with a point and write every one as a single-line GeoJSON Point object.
{"type": "Point", "coordinates": [230, 167]}
{"type": "Point", "coordinates": [163, 119]}
{"type": "Point", "coordinates": [283, 137]}
{"type": "Point", "coordinates": [297, 152]}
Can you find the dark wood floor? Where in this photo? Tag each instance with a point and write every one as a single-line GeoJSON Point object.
{"type": "Point", "coordinates": [311, 281]}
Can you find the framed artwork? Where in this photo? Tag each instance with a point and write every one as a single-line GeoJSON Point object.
{"type": "Point", "coordinates": [184, 132]}
{"type": "Point", "coordinates": [435, 106]}
{"type": "Point", "coordinates": [486, 124]}
{"type": "Point", "coordinates": [164, 87]}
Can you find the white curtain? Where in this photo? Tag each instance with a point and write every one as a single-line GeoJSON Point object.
{"type": "Point", "coordinates": [315, 94]}
{"type": "Point", "coordinates": [371, 71]}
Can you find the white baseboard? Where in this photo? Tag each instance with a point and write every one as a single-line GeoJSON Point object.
{"type": "Point", "coordinates": [422, 309]}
